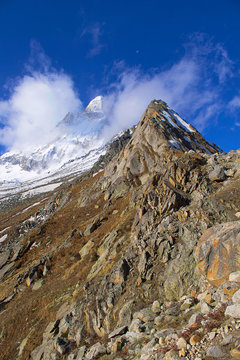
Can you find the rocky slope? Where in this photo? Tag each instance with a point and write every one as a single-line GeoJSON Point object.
{"type": "Point", "coordinates": [136, 259]}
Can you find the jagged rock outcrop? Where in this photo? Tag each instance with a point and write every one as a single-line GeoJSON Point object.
{"type": "Point", "coordinates": [120, 257]}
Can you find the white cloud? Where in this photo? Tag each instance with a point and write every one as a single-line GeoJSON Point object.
{"type": "Point", "coordinates": [190, 87]}
{"type": "Point", "coordinates": [38, 101]}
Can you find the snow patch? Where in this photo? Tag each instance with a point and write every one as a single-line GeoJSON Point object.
{"type": "Point", "coordinates": [40, 190]}
{"type": "Point", "coordinates": [169, 119]}
{"type": "Point", "coordinates": [175, 144]}
{"type": "Point", "coordinates": [182, 123]}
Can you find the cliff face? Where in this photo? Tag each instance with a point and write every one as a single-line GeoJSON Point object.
{"type": "Point", "coordinates": [133, 261]}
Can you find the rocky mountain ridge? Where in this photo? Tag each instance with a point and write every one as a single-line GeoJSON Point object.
{"type": "Point", "coordinates": [136, 259]}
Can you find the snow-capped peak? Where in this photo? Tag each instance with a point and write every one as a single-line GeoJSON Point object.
{"type": "Point", "coordinates": [95, 105]}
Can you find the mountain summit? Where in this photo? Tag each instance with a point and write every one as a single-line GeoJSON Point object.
{"type": "Point", "coordinates": [136, 258]}
{"type": "Point", "coordinates": [95, 105]}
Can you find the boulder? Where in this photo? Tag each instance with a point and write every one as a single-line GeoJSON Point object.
{"type": "Point", "coordinates": [92, 226]}
{"type": "Point", "coordinates": [217, 174]}
{"type": "Point", "coordinates": [233, 311]}
{"type": "Point", "coordinates": [235, 276]}
{"type": "Point", "coordinates": [216, 352]}
{"type": "Point", "coordinates": [218, 252]}
{"type": "Point", "coordinates": [145, 315]}
{"type": "Point", "coordinates": [95, 351]}
{"type": "Point", "coordinates": [120, 331]}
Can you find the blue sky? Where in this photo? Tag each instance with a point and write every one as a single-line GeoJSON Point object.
{"type": "Point", "coordinates": [57, 55]}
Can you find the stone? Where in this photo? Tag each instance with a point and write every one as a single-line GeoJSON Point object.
{"type": "Point", "coordinates": [62, 345]}
{"type": "Point", "coordinates": [236, 297]}
{"type": "Point", "coordinates": [233, 311]}
{"type": "Point", "coordinates": [126, 313]}
{"type": "Point", "coordinates": [156, 307]}
{"type": "Point", "coordinates": [86, 249]}
{"type": "Point", "coordinates": [5, 269]}
{"type": "Point", "coordinates": [218, 252]}
{"type": "Point", "coordinates": [145, 315]}
{"type": "Point", "coordinates": [193, 318]}
{"type": "Point", "coordinates": [146, 349]}
{"type": "Point", "coordinates": [4, 258]}
{"type": "Point", "coordinates": [216, 352]}
{"type": "Point", "coordinates": [226, 340]}
{"type": "Point", "coordinates": [182, 353]}
{"type": "Point", "coordinates": [71, 356]}
{"type": "Point", "coordinates": [38, 284]}
{"type": "Point", "coordinates": [81, 352]}
{"type": "Point", "coordinates": [95, 351]}
{"type": "Point", "coordinates": [186, 305]}
{"type": "Point", "coordinates": [217, 174]}
{"type": "Point", "coordinates": [236, 353]}
{"type": "Point", "coordinates": [17, 252]}
{"type": "Point", "coordinates": [172, 355]}
{"type": "Point", "coordinates": [180, 274]}
{"type": "Point", "coordinates": [161, 341]}
{"type": "Point", "coordinates": [212, 335]}
{"type": "Point", "coordinates": [137, 326]}
{"type": "Point", "coordinates": [120, 331]}
{"type": "Point", "coordinates": [117, 346]}
{"type": "Point", "coordinates": [230, 172]}
{"type": "Point", "coordinates": [208, 299]}
{"type": "Point", "coordinates": [235, 276]}
{"type": "Point", "coordinates": [194, 339]}
{"type": "Point", "coordinates": [205, 308]}
{"type": "Point", "coordinates": [37, 353]}
{"type": "Point", "coordinates": [158, 320]}
{"type": "Point", "coordinates": [181, 343]}
{"type": "Point", "coordinates": [92, 226]}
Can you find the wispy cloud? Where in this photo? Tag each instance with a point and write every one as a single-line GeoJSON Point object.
{"type": "Point", "coordinates": [37, 102]}
{"type": "Point", "coordinates": [94, 32]}
{"type": "Point", "coordinates": [192, 86]}
{"type": "Point", "coordinates": [234, 103]}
